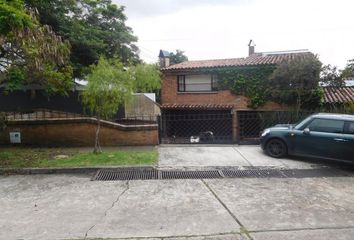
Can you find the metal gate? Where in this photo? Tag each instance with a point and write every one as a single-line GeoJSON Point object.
{"type": "Point", "coordinates": [195, 127]}
{"type": "Point", "coordinates": [252, 123]}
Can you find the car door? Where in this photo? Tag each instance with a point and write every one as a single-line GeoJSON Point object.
{"type": "Point", "coordinates": [348, 142]}
{"type": "Point", "coordinates": [322, 139]}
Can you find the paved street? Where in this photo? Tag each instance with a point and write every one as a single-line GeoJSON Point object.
{"type": "Point", "coordinates": [73, 207]}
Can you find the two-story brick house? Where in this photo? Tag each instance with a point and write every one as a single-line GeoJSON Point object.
{"type": "Point", "coordinates": [193, 106]}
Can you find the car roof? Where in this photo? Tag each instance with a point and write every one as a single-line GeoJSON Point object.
{"type": "Point", "coordinates": [346, 117]}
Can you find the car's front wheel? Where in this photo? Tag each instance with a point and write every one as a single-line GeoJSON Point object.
{"type": "Point", "coordinates": [276, 148]}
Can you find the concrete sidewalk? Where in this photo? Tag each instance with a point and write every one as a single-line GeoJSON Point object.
{"type": "Point", "coordinates": [199, 156]}
{"type": "Point", "coordinates": [73, 207]}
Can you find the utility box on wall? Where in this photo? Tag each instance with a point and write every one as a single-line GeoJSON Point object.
{"type": "Point", "coordinates": [15, 137]}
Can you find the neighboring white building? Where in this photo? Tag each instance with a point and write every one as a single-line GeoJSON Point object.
{"type": "Point", "coordinates": [349, 82]}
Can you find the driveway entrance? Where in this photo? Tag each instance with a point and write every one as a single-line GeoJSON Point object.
{"type": "Point", "coordinates": [226, 155]}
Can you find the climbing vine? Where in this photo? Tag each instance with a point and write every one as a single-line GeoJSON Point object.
{"type": "Point", "coordinates": [252, 82]}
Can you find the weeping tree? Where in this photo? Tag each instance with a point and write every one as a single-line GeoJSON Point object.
{"type": "Point", "coordinates": [111, 84]}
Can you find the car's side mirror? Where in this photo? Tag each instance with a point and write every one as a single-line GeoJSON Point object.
{"type": "Point", "coordinates": [306, 131]}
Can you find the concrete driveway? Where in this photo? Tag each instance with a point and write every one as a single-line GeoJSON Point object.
{"type": "Point", "coordinates": [73, 207]}
{"type": "Point", "coordinates": [199, 156]}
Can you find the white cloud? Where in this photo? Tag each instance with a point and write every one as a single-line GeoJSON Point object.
{"type": "Point", "coordinates": [211, 29]}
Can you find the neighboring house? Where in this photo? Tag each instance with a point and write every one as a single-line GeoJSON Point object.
{"type": "Point", "coordinates": [193, 108]}
{"type": "Point", "coordinates": [338, 96]}
{"type": "Point", "coordinates": [349, 82]}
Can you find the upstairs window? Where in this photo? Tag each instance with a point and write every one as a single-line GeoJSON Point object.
{"type": "Point", "coordinates": [181, 82]}
{"type": "Point", "coordinates": [197, 83]}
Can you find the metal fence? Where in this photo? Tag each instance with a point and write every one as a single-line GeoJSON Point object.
{"type": "Point", "coordinates": [46, 114]}
{"type": "Point", "coordinates": [196, 128]}
{"type": "Point", "coordinates": [252, 123]}
{"type": "Point", "coordinates": [41, 114]}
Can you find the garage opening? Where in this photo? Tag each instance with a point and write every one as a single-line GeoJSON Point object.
{"type": "Point", "coordinates": [195, 126]}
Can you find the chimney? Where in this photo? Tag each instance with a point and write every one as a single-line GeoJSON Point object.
{"type": "Point", "coordinates": [164, 59]}
{"type": "Point", "coordinates": [251, 46]}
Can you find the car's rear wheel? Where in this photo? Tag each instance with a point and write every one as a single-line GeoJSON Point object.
{"type": "Point", "coordinates": [276, 148]}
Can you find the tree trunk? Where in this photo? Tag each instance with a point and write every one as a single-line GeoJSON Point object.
{"type": "Point", "coordinates": [97, 138]}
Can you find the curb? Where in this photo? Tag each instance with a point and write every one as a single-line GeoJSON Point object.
{"type": "Point", "coordinates": [79, 170]}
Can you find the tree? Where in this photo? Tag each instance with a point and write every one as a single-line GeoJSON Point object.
{"type": "Point", "coordinates": [31, 53]}
{"type": "Point", "coordinates": [178, 57]}
{"type": "Point", "coordinates": [146, 77]}
{"type": "Point", "coordinates": [93, 28]}
{"type": "Point", "coordinates": [348, 71]}
{"type": "Point", "coordinates": [331, 76]}
{"type": "Point", "coordinates": [296, 82]}
{"type": "Point", "coordinates": [110, 84]}
{"type": "Point", "coordinates": [13, 16]}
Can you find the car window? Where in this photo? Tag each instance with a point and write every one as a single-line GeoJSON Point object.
{"type": "Point", "coordinates": [301, 125]}
{"type": "Point", "coordinates": [350, 128]}
{"type": "Point", "coordinates": [326, 125]}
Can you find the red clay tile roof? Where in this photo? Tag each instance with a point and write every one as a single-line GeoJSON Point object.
{"type": "Point", "coordinates": [255, 59]}
{"type": "Point", "coordinates": [338, 94]}
{"type": "Point", "coordinates": [196, 106]}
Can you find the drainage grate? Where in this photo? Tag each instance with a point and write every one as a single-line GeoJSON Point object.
{"type": "Point", "coordinates": [313, 173]}
{"type": "Point", "coordinates": [253, 173]}
{"type": "Point", "coordinates": [111, 175]}
{"type": "Point", "coordinates": [190, 174]}
{"type": "Point", "coordinates": [137, 174]}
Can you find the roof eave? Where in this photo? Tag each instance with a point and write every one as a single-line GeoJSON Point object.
{"type": "Point", "coordinates": [200, 69]}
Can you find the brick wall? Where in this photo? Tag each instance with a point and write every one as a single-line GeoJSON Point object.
{"type": "Point", "coordinates": [170, 95]}
{"type": "Point", "coordinates": [78, 133]}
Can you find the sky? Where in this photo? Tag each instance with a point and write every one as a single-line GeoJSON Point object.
{"type": "Point", "coordinates": [214, 29]}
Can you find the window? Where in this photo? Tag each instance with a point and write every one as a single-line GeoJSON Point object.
{"type": "Point", "coordinates": [326, 125]}
{"type": "Point", "coordinates": [181, 82]}
{"type": "Point", "coordinates": [214, 82]}
{"type": "Point", "coordinates": [197, 83]}
{"type": "Point", "coordinates": [350, 128]}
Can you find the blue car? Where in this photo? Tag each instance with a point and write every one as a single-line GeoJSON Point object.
{"type": "Point", "coordinates": [322, 135]}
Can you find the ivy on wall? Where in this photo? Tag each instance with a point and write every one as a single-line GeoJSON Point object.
{"type": "Point", "coordinates": [252, 82]}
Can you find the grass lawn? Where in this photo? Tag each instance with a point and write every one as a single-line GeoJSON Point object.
{"type": "Point", "coordinates": [55, 157]}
